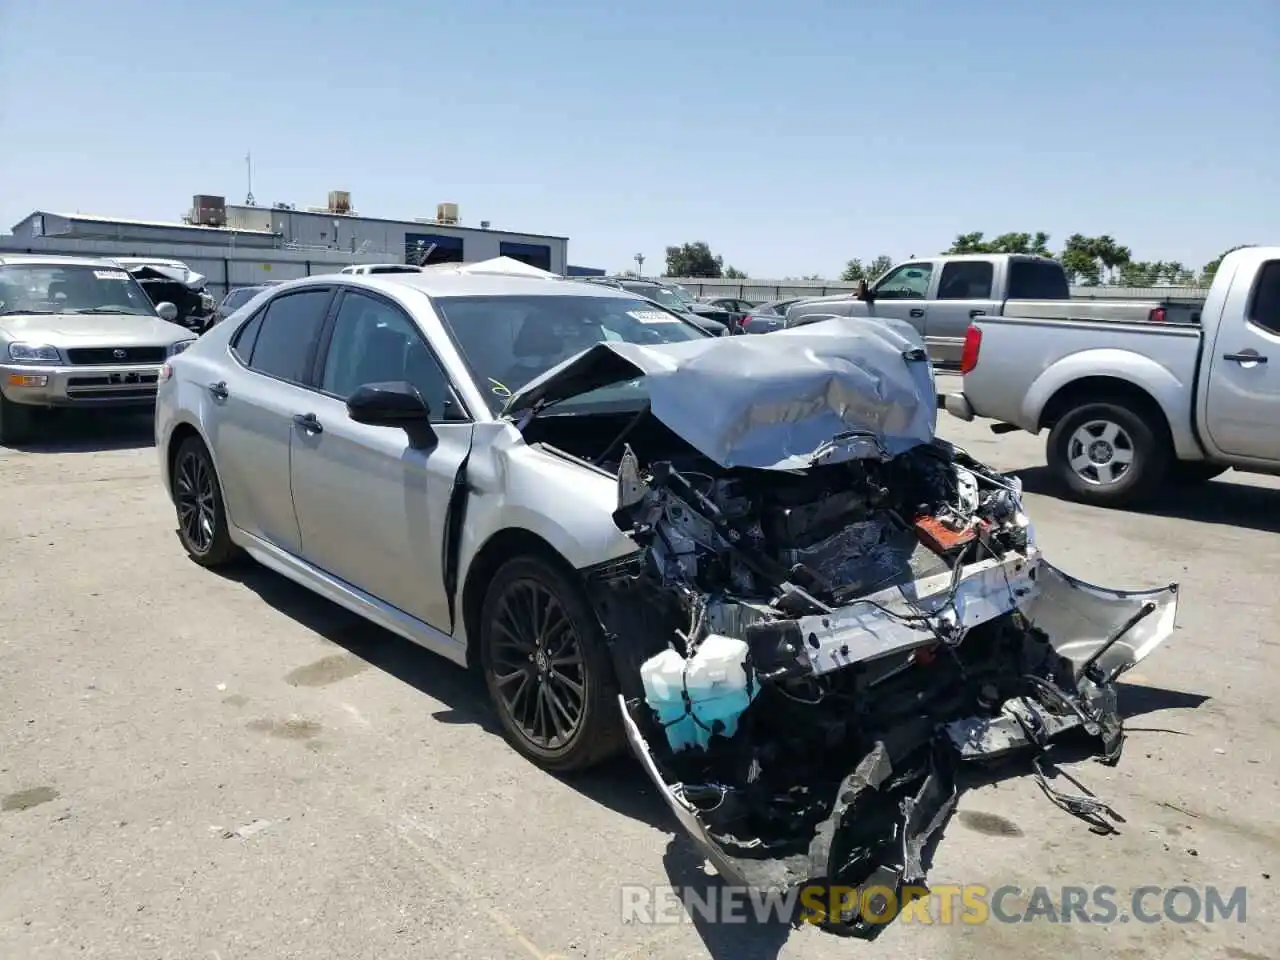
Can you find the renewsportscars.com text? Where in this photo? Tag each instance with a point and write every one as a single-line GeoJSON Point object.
{"type": "Point", "coordinates": [939, 904]}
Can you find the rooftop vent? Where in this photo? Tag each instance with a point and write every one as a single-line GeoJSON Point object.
{"type": "Point", "coordinates": [208, 210]}
{"type": "Point", "coordinates": [446, 213]}
{"type": "Point", "coordinates": [339, 202]}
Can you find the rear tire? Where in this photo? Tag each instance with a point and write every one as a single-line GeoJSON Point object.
{"type": "Point", "coordinates": [202, 515]}
{"type": "Point", "coordinates": [1190, 473]}
{"type": "Point", "coordinates": [17, 421]}
{"type": "Point", "coordinates": [547, 669]}
{"type": "Point", "coordinates": [1109, 454]}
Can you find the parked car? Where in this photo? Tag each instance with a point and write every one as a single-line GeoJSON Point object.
{"type": "Point", "coordinates": [940, 296]}
{"type": "Point", "coordinates": [77, 332]}
{"type": "Point", "coordinates": [370, 269]}
{"type": "Point", "coordinates": [237, 298]}
{"type": "Point", "coordinates": [737, 309]}
{"type": "Point", "coordinates": [767, 317]}
{"type": "Point", "coordinates": [172, 281]}
{"type": "Point", "coordinates": [522, 474]}
{"type": "Point", "coordinates": [1132, 406]}
{"type": "Point", "coordinates": [711, 319]}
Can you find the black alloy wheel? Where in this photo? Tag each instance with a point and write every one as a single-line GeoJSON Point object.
{"type": "Point", "coordinates": [197, 496]}
{"type": "Point", "coordinates": [543, 657]}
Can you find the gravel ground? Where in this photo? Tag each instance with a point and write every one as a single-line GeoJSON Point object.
{"type": "Point", "coordinates": [199, 766]}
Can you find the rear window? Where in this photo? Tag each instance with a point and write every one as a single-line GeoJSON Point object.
{"type": "Point", "coordinates": [1037, 280]}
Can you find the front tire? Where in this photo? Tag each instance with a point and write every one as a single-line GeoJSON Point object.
{"type": "Point", "coordinates": [1108, 454]}
{"type": "Point", "coordinates": [543, 655]}
{"type": "Point", "coordinates": [202, 515]}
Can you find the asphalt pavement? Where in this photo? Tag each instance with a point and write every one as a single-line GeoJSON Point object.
{"type": "Point", "coordinates": [204, 766]}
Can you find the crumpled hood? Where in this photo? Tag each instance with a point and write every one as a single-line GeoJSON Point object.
{"type": "Point", "coordinates": [166, 272]}
{"type": "Point", "coordinates": [849, 388]}
{"type": "Point", "coordinates": [86, 330]}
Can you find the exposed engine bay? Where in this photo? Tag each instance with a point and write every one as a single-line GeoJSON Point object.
{"type": "Point", "coordinates": [806, 656]}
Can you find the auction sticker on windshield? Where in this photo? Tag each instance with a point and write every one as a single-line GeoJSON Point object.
{"type": "Point", "coordinates": [111, 275]}
{"type": "Point", "coordinates": [651, 316]}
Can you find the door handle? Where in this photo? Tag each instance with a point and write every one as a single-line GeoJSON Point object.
{"type": "Point", "coordinates": [1245, 357]}
{"type": "Point", "coordinates": [917, 312]}
{"type": "Point", "coordinates": [219, 390]}
{"type": "Point", "coordinates": [973, 314]}
{"type": "Point", "coordinates": [308, 422]}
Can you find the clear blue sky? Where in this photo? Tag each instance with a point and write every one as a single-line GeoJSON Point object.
{"type": "Point", "coordinates": [788, 135]}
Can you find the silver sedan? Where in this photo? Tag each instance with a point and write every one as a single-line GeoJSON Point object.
{"type": "Point", "coordinates": [347, 432]}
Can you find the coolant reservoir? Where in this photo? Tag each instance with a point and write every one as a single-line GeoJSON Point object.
{"type": "Point", "coordinates": [663, 679]}
{"type": "Point", "coordinates": [720, 686]}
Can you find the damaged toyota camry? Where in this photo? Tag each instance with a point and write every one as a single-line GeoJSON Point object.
{"type": "Point", "coordinates": [750, 558]}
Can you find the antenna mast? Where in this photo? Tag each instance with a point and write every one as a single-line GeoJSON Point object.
{"type": "Point", "coordinates": [248, 163]}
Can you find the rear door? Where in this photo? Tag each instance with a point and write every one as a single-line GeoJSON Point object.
{"type": "Point", "coordinates": [251, 418]}
{"type": "Point", "coordinates": [965, 289]}
{"type": "Point", "coordinates": [1242, 410]}
{"type": "Point", "coordinates": [372, 502]}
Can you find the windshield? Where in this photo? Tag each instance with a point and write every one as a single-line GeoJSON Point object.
{"type": "Point", "coordinates": [63, 288]}
{"type": "Point", "coordinates": [668, 298]}
{"type": "Point", "coordinates": [506, 341]}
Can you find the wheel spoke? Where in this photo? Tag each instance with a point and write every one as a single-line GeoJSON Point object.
{"type": "Point", "coordinates": [1105, 472]}
{"type": "Point", "coordinates": [1109, 432]}
{"type": "Point", "coordinates": [1122, 456]}
{"type": "Point", "coordinates": [1081, 462]}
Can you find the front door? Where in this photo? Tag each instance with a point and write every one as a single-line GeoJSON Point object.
{"type": "Point", "coordinates": [902, 294]}
{"type": "Point", "coordinates": [964, 295]}
{"type": "Point", "coordinates": [371, 501]}
{"type": "Point", "coordinates": [251, 422]}
{"type": "Point", "coordinates": [1242, 410]}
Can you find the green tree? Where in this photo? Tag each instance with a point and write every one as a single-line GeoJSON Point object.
{"type": "Point", "coordinates": [694, 260]}
{"type": "Point", "coordinates": [1093, 260]}
{"type": "Point", "coordinates": [856, 270]}
{"type": "Point", "coordinates": [1210, 269]}
{"type": "Point", "coordinates": [733, 273]}
{"type": "Point", "coordinates": [1031, 243]}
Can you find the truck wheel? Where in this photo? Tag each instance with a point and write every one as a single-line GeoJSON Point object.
{"type": "Point", "coordinates": [16, 421]}
{"type": "Point", "coordinates": [1189, 473]}
{"type": "Point", "coordinates": [1107, 454]}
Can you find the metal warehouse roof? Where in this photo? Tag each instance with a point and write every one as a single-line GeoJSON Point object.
{"type": "Point", "coordinates": [127, 221]}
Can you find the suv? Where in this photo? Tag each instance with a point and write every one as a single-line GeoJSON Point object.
{"type": "Point", "coordinates": [77, 332]}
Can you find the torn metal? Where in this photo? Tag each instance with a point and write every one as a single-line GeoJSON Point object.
{"type": "Point", "coordinates": [809, 655]}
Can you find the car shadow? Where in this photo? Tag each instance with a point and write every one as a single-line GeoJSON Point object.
{"type": "Point", "coordinates": [1219, 501]}
{"type": "Point", "coordinates": [90, 431]}
{"type": "Point", "coordinates": [755, 932]}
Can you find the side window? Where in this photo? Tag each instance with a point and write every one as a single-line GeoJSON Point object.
{"type": "Point", "coordinates": [242, 345]}
{"type": "Point", "coordinates": [290, 326]}
{"type": "Point", "coordinates": [908, 282]}
{"type": "Point", "coordinates": [1264, 304]}
{"type": "Point", "coordinates": [375, 342]}
{"type": "Point", "coordinates": [966, 280]}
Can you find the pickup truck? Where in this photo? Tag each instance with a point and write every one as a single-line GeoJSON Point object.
{"type": "Point", "coordinates": [941, 296]}
{"type": "Point", "coordinates": [1132, 406]}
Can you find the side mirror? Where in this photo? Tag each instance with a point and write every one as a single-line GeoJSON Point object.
{"type": "Point", "coordinates": [393, 404]}
{"type": "Point", "coordinates": [167, 311]}
{"type": "Point", "coordinates": [864, 292]}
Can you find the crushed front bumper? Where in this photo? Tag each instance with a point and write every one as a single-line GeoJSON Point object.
{"type": "Point", "coordinates": [1098, 633]}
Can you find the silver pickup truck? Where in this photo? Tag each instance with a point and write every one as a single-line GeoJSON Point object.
{"type": "Point", "coordinates": [941, 296]}
{"type": "Point", "coordinates": [1130, 406]}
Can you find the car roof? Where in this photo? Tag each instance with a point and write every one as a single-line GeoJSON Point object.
{"type": "Point", "coordinates": [53, 260]}
{"type": "Point", "coordinates": [451, 283]}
